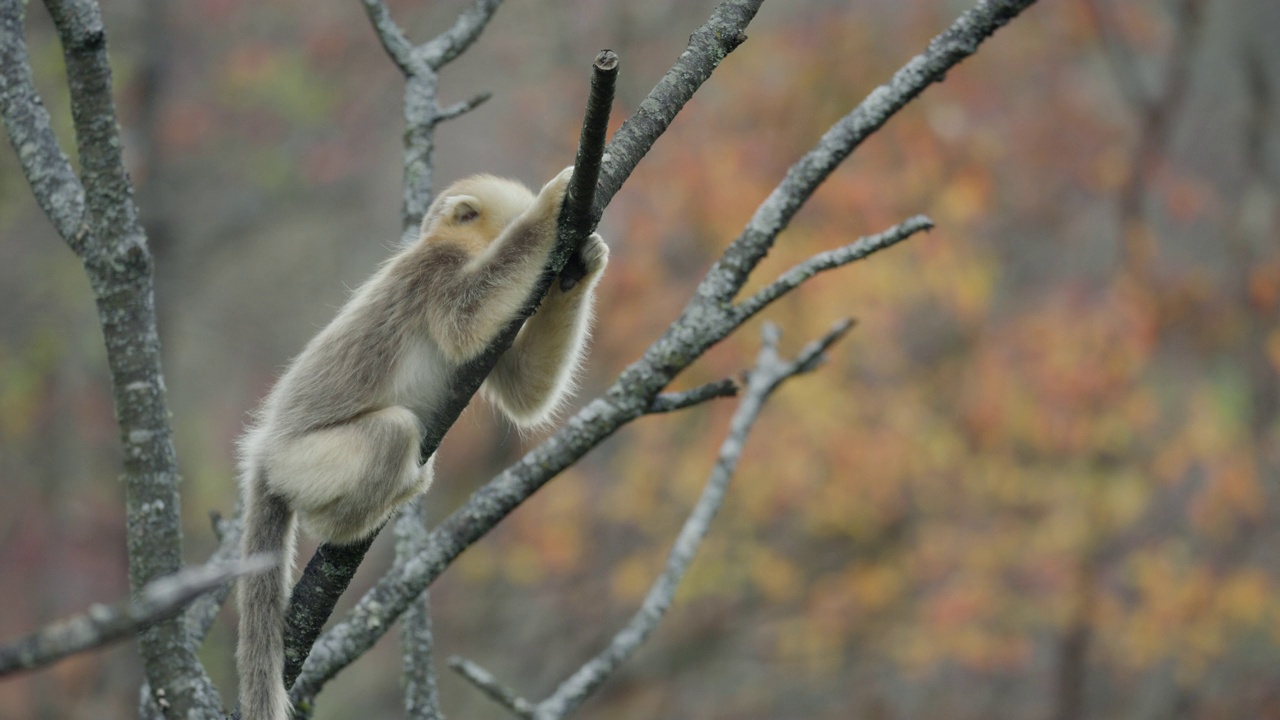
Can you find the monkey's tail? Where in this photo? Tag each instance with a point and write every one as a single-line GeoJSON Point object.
{"type": "Point", "coordinates": [268, 528]}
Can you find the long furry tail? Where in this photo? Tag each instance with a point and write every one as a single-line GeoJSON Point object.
{"type": "Point", "coordinates": [268, 528]}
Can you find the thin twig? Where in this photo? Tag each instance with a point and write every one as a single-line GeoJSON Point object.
{"type": "Point", "coordinates": [672, 401]}
{"type": "Point", "coordinates": [791, 279]}
{"type": "Point", "coordinates": [461, 108]}
{"type": "Point", "coordinates": [492, 689]}
{"type": "Point", "coordinates": [102, 625]}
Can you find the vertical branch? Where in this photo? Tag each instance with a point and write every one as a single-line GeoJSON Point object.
{"type": "Point", "coordinates": [577, 212]}
{"type": "Point", "coordinates": [98, 219]}
{"type": "Point", "coordinates": [417, 644]}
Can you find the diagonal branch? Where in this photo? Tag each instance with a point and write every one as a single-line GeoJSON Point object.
{"type": "Point", "coordinates": [944, 52]}
{"type": "Point", "coordinates": [485, 682]}
{"type": "Point", "coordinates": [393, 39]}
{"type": "Point", "coordinates": [672, 401]}
{"type": "Point", "coordinates": [829, 260]}
{"type": "Point", "coordinates": [705, 321]}
{"type": "Point", "coordinates": [103, 625]}
{"type": "Point", "coordinates": [770, 372]}
{"type": "Point", "coordinates": [708, 46]}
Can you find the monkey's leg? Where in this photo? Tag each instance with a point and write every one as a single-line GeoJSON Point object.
{"type": "Point", "coordinates": [345, 480]}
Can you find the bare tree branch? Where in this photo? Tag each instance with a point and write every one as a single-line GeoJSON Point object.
{"type": "Point", "coordinates": [47, 169]}
{"type": "Point", "coordinates": [672, 401]}
{"type": "Point", "coordinates": [723, 32]}
{"type": "Point", "coordinates": [464, 107]}
{"type": "Point", "coordinates": [417, 642]}
{"type": "Point", "coordinates": [100, 223]}
{"type": "Point", "coordinates": [791, 279]}
{"type": "Point", "coordinates": [707, 319]}
{"type": "Point", "coordinates": [492, 689]}
{"type": "Point", "coordinates": [576, 220]}
{"type": "Point", "coordinates": [199, 616]}
{"type": "Point", "coordinates": [393, 39]}
{"type": "Point", "coordinates": [102, 625]}
{"type": "Point", "coordinates": [451, 43]}
{"type": "Point", "coordinates": [944, 52]}
{"type": "Point", "coordinates": [770, 372]}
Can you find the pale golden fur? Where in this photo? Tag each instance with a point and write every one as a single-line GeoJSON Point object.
{"type": "Point", "coordinates": [335, 443]}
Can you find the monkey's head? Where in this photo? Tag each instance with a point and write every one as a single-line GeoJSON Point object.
{"type": "Point", "coordinates": [473, 211]}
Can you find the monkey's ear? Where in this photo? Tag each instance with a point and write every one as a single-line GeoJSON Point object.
{"type": "Point", "coordinates": [463, 209]}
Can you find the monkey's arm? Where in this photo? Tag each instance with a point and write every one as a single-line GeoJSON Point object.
{"type": "Point", "coordinates": [531, 378]}
{"type": "Point", "coordinates": [470, 306]}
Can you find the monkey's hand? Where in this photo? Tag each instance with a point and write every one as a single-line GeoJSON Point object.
{"type": "Point", "coordinates": [587, 262]}
{"type": "Point", "coordinates": [552, 195]}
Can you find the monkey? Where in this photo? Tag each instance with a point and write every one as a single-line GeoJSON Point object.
{"type": "Point", "coordinates": [334, 446]}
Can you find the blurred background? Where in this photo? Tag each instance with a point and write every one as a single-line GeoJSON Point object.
{"type": "Point", "coordinates": [1041, 479]}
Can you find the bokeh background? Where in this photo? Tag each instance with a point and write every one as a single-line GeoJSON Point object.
{"type": "Point", "coordinates": [1039, 480]}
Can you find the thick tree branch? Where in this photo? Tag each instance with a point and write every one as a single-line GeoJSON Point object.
{"type": "Point", "coordinates": [101, 226]}
{"type": "Point", "coordinates": [707, 319]}
{"type": "Point", "coordinates": [103, 625]}
{"type": "Point", "coordinates": [576, 218]}
{"type": "Point", "coordinates": [770, 371]}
